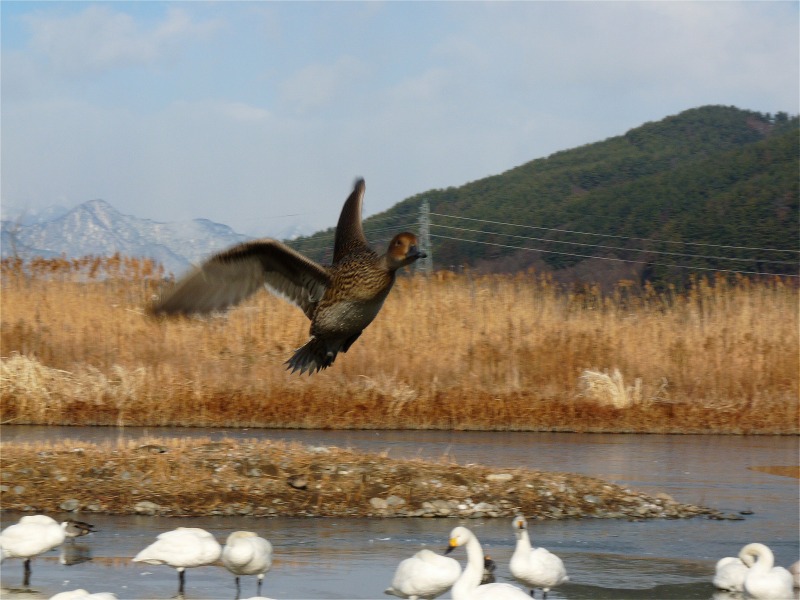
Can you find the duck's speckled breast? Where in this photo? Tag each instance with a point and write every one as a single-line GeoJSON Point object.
{"type": "Point", "coordinates": [346, 316]}
{"type": "Point", "coordinates": [359, 286]}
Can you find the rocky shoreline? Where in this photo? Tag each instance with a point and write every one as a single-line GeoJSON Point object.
{"type": "Point", "coordinates": [270, 479]}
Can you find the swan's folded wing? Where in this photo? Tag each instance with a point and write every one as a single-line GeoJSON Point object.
{"type": "Point", "coordinates": [13, 536]}
{"type": "Point", "coordinates": [231, 276]}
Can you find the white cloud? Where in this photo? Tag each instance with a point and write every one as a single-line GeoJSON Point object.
{"type": "Point", "coordinates": [98, 38]}
{"type": "Point", "coordinates": [318, 85]}
{"type": "Point", "coordinates": [214, 109]}
{"type": "Point", "coordinates": [267, 116]}
{"type": "Point", "coordinates": [700, 48]}
{"type": "Point", "coordinates": [239, 111]}
{"type": "Point", "coordinates": [428, 87]}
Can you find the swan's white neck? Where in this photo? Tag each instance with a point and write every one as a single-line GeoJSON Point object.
{"type": "Point", "coordinates": [765, 561]}
{"type": "Point", "coordinates": [473, 573]}
{"type": "Point", "coordinates": [523, 539]}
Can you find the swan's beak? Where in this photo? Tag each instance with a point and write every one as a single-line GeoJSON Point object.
{"type": "Point", "coordinates": [451, 547]}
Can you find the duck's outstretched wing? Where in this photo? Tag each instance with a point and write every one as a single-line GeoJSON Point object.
{"type": "Point", "coordinates": [231, 276]}
{"type": "Point", "coordinates": [349, 233]}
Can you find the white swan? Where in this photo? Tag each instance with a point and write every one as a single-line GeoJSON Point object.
{"type": "Point", "coordinates": [246, 553]}
{"type": "Point", "coordinates": [33, 535]}
{"type": "Point", "coordinates": [83, 595]}
{"type": "Point", "coordinates": [729, 574]}
{"type": "Point", "coordinates": [764, 580]}
{"type": "Point", "coordinates": [534, 567]}
{"type": "Point", "coordinates": [181, 548]}
{"type": "Point", "coordinates": [424, 575]}
{"type": "Point", "coordinates": [468, 587]}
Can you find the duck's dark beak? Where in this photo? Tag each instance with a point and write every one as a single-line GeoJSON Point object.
{"type": "Point", "coordinates": [413, 252]}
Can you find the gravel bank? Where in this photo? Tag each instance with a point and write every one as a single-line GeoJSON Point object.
{"type": "Point", "coordinates": [201, 477]}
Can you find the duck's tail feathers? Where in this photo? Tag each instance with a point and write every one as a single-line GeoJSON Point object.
{"type": "Point", "coordinates": [312, 357]}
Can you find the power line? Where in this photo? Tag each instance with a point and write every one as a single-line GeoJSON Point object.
{"type": "Point", "coordinates": [609, 235]}
{"type": "Point", "coordinates": [625, 260]}
{"type": "Point", "coordinates": [588, 245]}
{"type": "Point", "coordinates": [643, 250]}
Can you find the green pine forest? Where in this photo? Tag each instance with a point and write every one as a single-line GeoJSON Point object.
{"type": "Point", "coordinates": [712, 189]}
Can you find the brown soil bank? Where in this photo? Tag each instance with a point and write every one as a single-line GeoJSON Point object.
{"type": "Point", "coordinates": [201, 477]}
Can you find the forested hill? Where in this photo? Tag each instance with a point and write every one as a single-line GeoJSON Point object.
{"type": "Point", "coordinates": [713, 188]}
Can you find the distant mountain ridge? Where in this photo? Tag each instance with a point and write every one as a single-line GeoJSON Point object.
{"type": "Point", "coordinates": [712, 189]}
{"type": "Point", "coordinates": [97, 228]}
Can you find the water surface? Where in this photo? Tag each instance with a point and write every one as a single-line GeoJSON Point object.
{"type": "Point", "coordinates": [356, 558]}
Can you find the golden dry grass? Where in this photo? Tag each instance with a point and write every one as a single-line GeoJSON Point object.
{"type": "Point", "coordinates": [453, 352]}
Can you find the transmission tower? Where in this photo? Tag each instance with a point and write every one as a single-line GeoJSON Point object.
{"type": "Point", "coordinates": [425, 265]}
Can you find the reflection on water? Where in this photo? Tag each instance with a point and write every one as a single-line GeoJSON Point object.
{"type": "Point", "coordinates": [73, 553]}
{"type": "Point", "coordinates": [356, 558]}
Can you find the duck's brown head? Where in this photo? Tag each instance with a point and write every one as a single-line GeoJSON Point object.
{"type": "Point", "coordinates": [403, 250]}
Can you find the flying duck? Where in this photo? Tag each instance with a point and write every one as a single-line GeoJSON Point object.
{"type": "Point", "coordinates": [340, 299]}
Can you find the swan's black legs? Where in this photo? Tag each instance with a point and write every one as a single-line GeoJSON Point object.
{"type": "Point", "coordinates": [26, 580]}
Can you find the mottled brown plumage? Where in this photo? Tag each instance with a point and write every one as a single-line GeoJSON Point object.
{"type": "Point", "coordinates": [341, 300]}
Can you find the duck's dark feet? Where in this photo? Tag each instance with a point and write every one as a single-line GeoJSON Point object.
{"type": "Point", "coordinates": [312, 357]}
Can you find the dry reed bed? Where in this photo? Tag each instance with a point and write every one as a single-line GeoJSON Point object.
{"type": "Point", "coordinates": [265, 478]}
{"type": "Point", "coordinates": [452, 352]}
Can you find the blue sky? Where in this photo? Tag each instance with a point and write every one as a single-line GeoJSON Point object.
{"type": "Point", "coordinates": [246, 112]}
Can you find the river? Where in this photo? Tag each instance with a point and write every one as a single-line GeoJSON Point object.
{"type": "Point", "coordinates": [355, 558]}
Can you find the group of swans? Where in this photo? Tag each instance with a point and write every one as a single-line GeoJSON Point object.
{"type": "Point", "coordinates": [425, 575]}
{"type": "Point", "coordinates": [428, 575]}
{"type": "Point", "coordinates": [754, 573]}
{"type": "Point", "coordinates": [245, 553]}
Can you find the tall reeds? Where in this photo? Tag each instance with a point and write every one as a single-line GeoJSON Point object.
{"type": "Point", "coordinates": [447, 351]}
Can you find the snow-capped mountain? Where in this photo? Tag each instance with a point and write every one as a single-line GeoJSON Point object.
{"type": "Point", "coordinates": [97, 228]}
{"type": "Point", "coordinates": [31, 216]}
